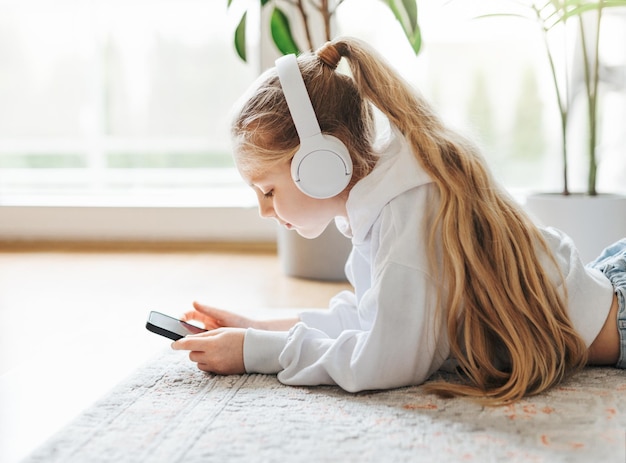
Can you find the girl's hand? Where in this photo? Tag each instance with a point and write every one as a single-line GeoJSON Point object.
{"type": "Point", "coordinates": [218, 351]}
{"type": "Point", "coordinates": [213, 318]}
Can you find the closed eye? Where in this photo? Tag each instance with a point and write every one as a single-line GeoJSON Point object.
{"type": "Point", "coordinates": [269, 194]}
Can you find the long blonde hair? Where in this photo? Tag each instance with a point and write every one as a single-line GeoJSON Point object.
{"type": "Point", "coordinates": [506, 321]}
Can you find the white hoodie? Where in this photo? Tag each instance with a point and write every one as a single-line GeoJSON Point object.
{"type": "Point", "coordinates": [384, 334]}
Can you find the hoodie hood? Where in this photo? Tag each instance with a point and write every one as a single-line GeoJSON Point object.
{"type": "Point", "coordinates": [396, 172]}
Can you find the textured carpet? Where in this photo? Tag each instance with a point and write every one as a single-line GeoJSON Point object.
{"type": "Point", "coordinates": [168, 412]}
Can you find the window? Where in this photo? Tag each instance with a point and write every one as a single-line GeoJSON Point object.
{"type": "Point", "coordinates": [117, 99]}
{"type": "Point", "coordinates": [125, 103]}
{"type": "Point", "coordinates": [489, 78]}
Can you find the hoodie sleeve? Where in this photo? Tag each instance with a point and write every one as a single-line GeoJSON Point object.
{"type": "Point", "coordinates": [341, 315]}
{"type": "Point", "coordinates": [262, 348]}
{"type": "Point", "coordinates": [401, 348]}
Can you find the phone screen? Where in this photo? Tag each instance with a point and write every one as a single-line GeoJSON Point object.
{"type": "Point", "coordinates": [170, 327]}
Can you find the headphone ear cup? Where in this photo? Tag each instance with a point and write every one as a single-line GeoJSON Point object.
{"type": "Point", "coordinates": [322, 167]}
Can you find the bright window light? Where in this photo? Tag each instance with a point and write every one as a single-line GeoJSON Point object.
{"type": "Point", "coordinates": [117, 99]}
{"type": "Point", "coordinates": [127, 101]}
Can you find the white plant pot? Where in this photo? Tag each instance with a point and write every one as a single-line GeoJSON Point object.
{"type": "Point", "coordinates": [593, 222]}
{"type": "Point", "coordinates": [322, 258]}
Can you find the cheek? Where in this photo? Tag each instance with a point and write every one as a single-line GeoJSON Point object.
{"type": "Point", "coordinates": [294, 206]}
{"type": "Point", "coordinates": [291, 205]}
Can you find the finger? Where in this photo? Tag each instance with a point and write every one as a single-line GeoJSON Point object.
{"type": "Point", "coordinates": [200, 307]}
{"type": "Point", "coordinates": [176, 345]}
{"type": "Point", "coordinates": [210, 311]}
{"type": "Point", "coordinates": [210, 323]}
{"type": "Point", "coordinates": [181, 344]}
{"type": "Point", "coordinates": [204, 367]}
{"type": "Point", "coordinates": [222, 317]}
{"type": "Point", "coordinates": [193, 342]}
{"type": "Point", "coordinates": [212, 317]}
{"type": "Point", "coordinates": [207, 321]}
{"type": "Point", "coordinates": [196, 356]}
{"type": "Point", "coordinates": [191, 315]}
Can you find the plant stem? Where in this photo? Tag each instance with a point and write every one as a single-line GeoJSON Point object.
{"type": "Point", "coordinates": [326, 14]}
{"type": "Point", "coordinates": [299, 5]}
{"type": "Point", "coordinates": [323, 7]}
{"type": "Point", "coordinates": [593, 162]}
{"type": "Point", "coordinates": [591, 85]}
{"type": "Point", "coordinates": [562, 104]}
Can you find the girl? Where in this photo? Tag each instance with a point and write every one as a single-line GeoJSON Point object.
{"type": "Point", "coordinates": [444, 264]}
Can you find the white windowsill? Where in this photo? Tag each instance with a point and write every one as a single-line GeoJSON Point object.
{"type": "Point", "coordinates": [219, 215]}
{"type": "Point", "coordinates": [130, 205]}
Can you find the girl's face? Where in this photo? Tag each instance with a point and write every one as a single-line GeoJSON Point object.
{"type": "Point", "coordinates": [280, 198]}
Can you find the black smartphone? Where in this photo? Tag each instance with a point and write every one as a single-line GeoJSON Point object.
{"type": "Point", "coordinates": [170, 327]}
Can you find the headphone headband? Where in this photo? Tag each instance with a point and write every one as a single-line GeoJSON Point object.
{"type": "Point", "coordinates": [293, 86]}
{"type": "Point", "coordinates": [322, 167]}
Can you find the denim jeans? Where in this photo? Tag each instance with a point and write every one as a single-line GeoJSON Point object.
{"type": "Point", "coordinates": [612, 262]}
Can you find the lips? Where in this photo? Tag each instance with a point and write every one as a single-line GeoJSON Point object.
{"type": "Point", "coordinates": [287, 225]}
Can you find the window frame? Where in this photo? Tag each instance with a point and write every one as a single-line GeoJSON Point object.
{"type": "Point", "coordinates": [225, 211]}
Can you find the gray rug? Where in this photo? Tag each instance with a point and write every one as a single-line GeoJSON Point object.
{"type": "Point", "coordinates": [170, 412]}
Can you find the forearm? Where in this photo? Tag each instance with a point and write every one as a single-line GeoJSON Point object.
{"type": "Point", "coordinates": [282, 324]}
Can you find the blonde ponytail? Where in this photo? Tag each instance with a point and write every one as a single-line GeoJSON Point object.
{"type": "Point", "coordinates": [507, 323]}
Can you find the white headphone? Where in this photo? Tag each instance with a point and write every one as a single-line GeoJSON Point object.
{"type": "Point", "coordinates": [321, 167]}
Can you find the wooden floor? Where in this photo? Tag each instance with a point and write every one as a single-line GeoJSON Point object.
{"type": "Point", "coordinates": [72, 323]}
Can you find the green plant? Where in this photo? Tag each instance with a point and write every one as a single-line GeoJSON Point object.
{"type": "Point", "coordinates": [553, 15]}
{"type": "Point", "coordinates": [405, 12]}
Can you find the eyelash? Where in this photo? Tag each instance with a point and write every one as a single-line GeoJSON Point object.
{"type": "Point", "coordinates": [269, 194]}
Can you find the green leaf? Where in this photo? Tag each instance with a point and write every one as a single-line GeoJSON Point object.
{"type": "Point", "coordinates": [281, 33]}
{"type": "Point", "coordinates": [265, 2]}
{"type": "Point", "coordinates": [410, 6]}
{"type": "Point", "coordinates": [405, 12]}
{"type": "Point", "coordinates": [416, 40]}
{"type": "Point", "coordinates": [558, 11]}
{"type": "Point", "coordinates": [240, 37]}
{"type": "Point", "coordinates": [396, 12]}
{"type": "Point", "coordinates": [414, 34]}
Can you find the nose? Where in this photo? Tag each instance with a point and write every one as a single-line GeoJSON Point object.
{"type": "Point", "coordinates": [266, 209]}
